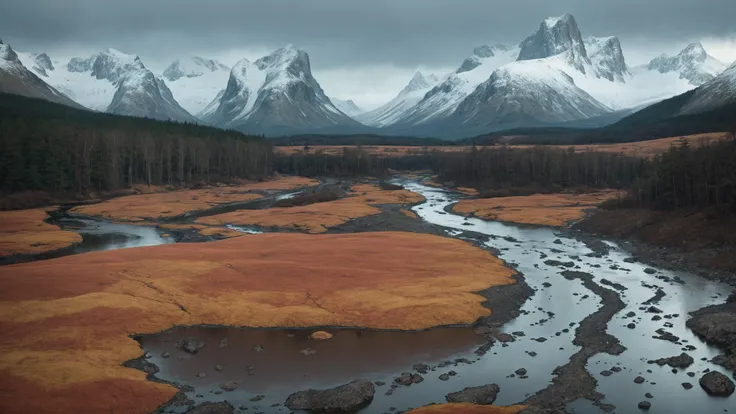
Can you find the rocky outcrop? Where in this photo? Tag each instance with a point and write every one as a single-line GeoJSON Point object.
{"type": "Point", "coordinates": [556, 35]}
{"type": "Point", "coordinates": [343, 399]}
{"type": "Point", "coordinates": [717, 384]}
{"type": "Point", "coordinates": [482, 395]}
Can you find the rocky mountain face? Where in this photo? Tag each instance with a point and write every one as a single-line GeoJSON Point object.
{"type": "Point", "coordinates": [692, 63]}
{"type": "Point", "coordinates": [396, 108]}
{"type": "Point", "coordinates": [718, 92]}
{"type": "Point", "coordinates": [138, 92]}
{"type": "Point", "coordinates": [16, 78]}
{"type": "Point", "coordinates": [607, 58]}
{"type": "Point", "coordinates": [556, 35]}
{"type": "Point", "coordinates": [276, 94]}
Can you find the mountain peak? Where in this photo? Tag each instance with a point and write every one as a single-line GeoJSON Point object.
{"type": "Point", "coordinates": [693, 63]}
{"type": "Point", "coordinates": [7, 53]}
{"type": "Point", "coordinates": [565, 19]}
{"type": "Point", "coordinates": [421, 81]}
{"type": "Point", "coordinates": [555, 35]}
{"type": "Point", "coordinates": [694, 51]}
{"type": "Point", "coordinates": [483, 51]}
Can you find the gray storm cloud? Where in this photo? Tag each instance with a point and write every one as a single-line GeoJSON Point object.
{"type": "Point", "coordinates": [345, 32]}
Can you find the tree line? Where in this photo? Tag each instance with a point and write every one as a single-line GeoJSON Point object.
{"type": "Point", "coordinates": [66, 151]}
{"type": "Point", "coordinates": [691, 177]}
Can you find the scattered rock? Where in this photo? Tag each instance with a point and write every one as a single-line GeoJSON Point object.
{"type": "Point", "coordinates": [320, 335]}
{"type": "Point", "coordinates": [687, 385]}
{"type": "Point", "coordinates": [201, 375]}
{"type": "Point", "coordinates": [639, 380]}
{"type": "Point", "coordinates": [648, 395]}
{"type": "Point", "coordinates": [229, 386]}
{"type": "Point", "coordinates": [631, 326]}
{"type": "Point", "coordinates": [308, 351]}
{"type": "Point", "coordinates": [616, 369]}
{"type": "Point", "coordinates": [191, 345]}
{"type": "Point", "coordinates": [547, 284]}
{"type": "Point", "coordinates": [649, 271]}
{"type": "Point", "coordinates": [717, 384]}
{"type": "Point", "coordinates": [165, 354]}
{"type": "Point", "coordinates": [379, 383]}
{"type": "Point", "coordinates": [532, 353]}
{"type": "Point", "coordinates": [557, 263]}
{"type": "Point", "coordinates": [681, 361]}
{"type": "Point", "coordinates": [444, 377]}
{"type": "Point", "coordinates": [219, 367]}
{"type": "Point", "coordinates": [654, 309]}
{"type": "Point", "coordinates": [606, 373]}
{"type": "Point", "coordinates": [258, 348]}
{"type": "Point", "coordinates": [257, 398]}
{"type": "Point", "coordinates": [520, 371]}
{"type": "Point", "coordinates": [421, 368]}
{"type": "Point", "coordinates": [343, 399]}
{"type": "Point", "coordinates": [483, 395]}
{"type": "Point", "coordinates": [614, 285]}
{"type": "Point", "coordinates": [644, 405]}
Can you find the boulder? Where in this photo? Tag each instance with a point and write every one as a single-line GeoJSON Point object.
{"type": "Point", "coordinates": [343, 399]}
{"type": "Point", "coordinates": [191, 345]}
{"type": "Point", "coordinates": [482, 395]}
{"type": "Point", "coordinates": [717, 384]}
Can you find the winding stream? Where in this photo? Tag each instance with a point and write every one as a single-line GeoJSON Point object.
{"type": "Point", "coordinates": [543, 334]}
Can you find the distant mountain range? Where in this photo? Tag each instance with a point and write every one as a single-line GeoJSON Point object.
{"type": "Point", "coordinates": [554, 77]}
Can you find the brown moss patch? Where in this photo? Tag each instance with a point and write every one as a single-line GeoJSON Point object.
{"type": "Point", "coordinates": [173, 203]}
{"type": "Point", "coordinates": [556, 210]}
{"type": "Point", "coordinates": [317, 218]}
{"type": "Point", "coordinates": [466, 409]}
{"type": "Point", "coordinates": [636, 149]}
{"type": "Point", "coordinates": [67, 321]}
{"type": "Point", "coordinates": [26, 232]}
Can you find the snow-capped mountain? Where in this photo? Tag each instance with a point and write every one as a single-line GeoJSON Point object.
{"type": "Point", "coordinates": [718, 92]}
{"type": "Point", "coordinates": [16, 78]}
{"type": "Point", "coordinates": [692, 63]}
{"type": "Point", "coordinates": [442, 100]}
{"type": "Point", "coordinates": [276, 94]}
{"type": "Point", "coordinates": [396, 108]}
{"type": "Point", "coordinates": [526, 93]}
{"type": "Point", "coordinates": [565, 74]}
{"type": "Point", "coordinates": [110, 81]}
{"type": "Point", "coordinates": [348, 107]}
{"type": "Point", "coordinates": [196, 81]}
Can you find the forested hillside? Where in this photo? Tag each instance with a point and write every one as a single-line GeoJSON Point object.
{"type": "Point", "coordinates": [61, 150]}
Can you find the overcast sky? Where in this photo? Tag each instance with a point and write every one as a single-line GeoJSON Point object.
{"type": "Point", "coordinates": [366, 50]}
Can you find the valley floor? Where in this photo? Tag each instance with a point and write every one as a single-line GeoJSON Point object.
{"type": "Point", "coordinates": [92, 332]}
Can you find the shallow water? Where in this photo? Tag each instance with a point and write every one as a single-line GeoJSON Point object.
{"type": "Point", "coordinates": [688, 293]}
{"type": "Point", "coordinates": [99, 235]}
{"type": "Point", "coordinates": [552, 313]}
